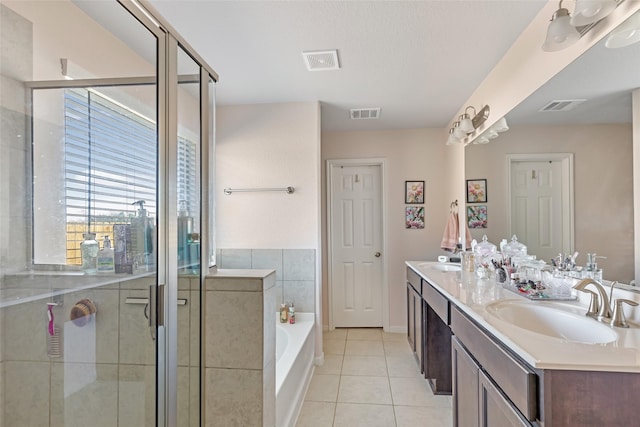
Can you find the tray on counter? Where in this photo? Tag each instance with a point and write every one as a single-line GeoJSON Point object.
{"type": "Point", "coordinates": [538, 295]}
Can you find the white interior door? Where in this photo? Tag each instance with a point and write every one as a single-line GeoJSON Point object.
{"type": "Point", "coordinates": [356, 261]}
{"type": "Point", "coordinates": [536, 206]}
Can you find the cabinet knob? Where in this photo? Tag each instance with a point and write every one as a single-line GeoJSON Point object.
{"type": "Point", "coordinates": [378, 254]}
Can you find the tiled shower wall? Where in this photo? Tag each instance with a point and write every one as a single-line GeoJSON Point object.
{"type": "Point", "coordinates": [16, 65]}
{"type": "Point", "coordinates": [116, 387]}
{"type": "Point", "coordinates": [295, 272]}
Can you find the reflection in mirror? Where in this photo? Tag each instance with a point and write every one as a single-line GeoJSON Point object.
{"type": "Point", "coordinates": [584, 113]}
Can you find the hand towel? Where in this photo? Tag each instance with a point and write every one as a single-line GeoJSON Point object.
{"type": "Point", "coordinates": [451, 234]}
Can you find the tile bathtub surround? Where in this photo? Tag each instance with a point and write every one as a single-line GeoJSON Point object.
{"type": "Point", "coordinates": [370, 378]}
{"type": "Point", "coordinates": [295, 272]}
{"type": "Point", "coordinates": [239, 342]}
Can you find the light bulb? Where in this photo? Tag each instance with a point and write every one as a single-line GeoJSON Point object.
{"type": "Point", "coordinates": [561, 33]}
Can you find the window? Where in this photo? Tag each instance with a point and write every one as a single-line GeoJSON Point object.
{"type": "Point", "coordinates": [110, 154]}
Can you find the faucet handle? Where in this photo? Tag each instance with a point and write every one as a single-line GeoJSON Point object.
{"type": "Point", "coordinates": [594, 304]}
{"type": "Point", "coordinates": [618, 319]}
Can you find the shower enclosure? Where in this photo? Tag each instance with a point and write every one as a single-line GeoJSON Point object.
{"type": "Point", "coordinates": [107, 135]}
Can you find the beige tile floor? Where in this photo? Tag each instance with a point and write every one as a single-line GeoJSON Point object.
{"type": "Point", "coordinates": [370, 379]}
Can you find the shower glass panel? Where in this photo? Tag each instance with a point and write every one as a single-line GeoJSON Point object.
{"type": "Point", "coordinates": [188, 188]}
{"type": "Point", "coordinates": [79, 213]}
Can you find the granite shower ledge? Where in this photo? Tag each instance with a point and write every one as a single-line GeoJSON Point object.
{"type": "Point", "coordinates": [239, 280]}
{"type": "Point", "coordinates": [37, 285]}
{"type": "Point", "coordinates": [28, 286]}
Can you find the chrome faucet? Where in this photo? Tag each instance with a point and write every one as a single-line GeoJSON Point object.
{"type": "Point", "coordinates": [604, 311]}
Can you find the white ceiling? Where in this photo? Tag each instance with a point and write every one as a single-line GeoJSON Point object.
{"type": "Point", "coordinates": [419, 61]}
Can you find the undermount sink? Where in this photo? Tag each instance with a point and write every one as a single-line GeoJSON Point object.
{"type": "Point", "coordinates": [446, 267]}
{"type": "Point", "coordinates": [552, 321]}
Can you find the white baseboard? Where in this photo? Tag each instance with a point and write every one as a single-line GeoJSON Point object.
{"type": "Point", "coordinates": [397, 329]}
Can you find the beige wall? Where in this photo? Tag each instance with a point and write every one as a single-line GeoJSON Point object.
{"type": "Point", "coordinates": [603, 182]}
{"type": "Point", "coordinates": [268, 146]}
{"type": "Point", "coordinates": [418, 154]}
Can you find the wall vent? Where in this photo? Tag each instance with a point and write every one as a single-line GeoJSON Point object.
{"type": "Point", "coordinates": [364, 113]}
{"type": "Point", "coordinates": [562, 105]}
{"type": "Point", "coordinates": [321, 60]}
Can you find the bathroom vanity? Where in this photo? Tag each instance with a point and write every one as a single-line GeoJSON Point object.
{"type": "Point", "coordinates": [515, 362]}
{"type": "Point", "coordinates": [429, 333]}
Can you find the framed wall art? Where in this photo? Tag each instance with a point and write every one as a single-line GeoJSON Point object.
{"type": "Point", "coordinates": [476, 191]}
{"type": "Point", "coordinates": [477, 216]}
{"type": "Point", "coordinates": [414, 217]}
{"type": "Point", "coordinates": [414, 192]}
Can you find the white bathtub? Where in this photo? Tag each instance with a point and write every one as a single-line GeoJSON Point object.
{"type": "Point", "coordinates": [295, 346]}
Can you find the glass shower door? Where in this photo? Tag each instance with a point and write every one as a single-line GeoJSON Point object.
{"type": "Point", "coordinates": [108, 136]}
{"type": "Point", "coordinates": [78, 342]}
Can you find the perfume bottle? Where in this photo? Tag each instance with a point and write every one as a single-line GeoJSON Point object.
{"type": "Point", "coordinates": [284, 313]}
{"type": "Point", "coordinates": [89, 251]}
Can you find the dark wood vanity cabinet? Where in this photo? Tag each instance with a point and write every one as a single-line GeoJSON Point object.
{"type": "Point", "coordinates": [466, 402]}
{"type": "Point", "coordinates": [484, 374]}
{"type": "Point", "coordinates": [437, 340]}
{"type": "Point", "coordinates": [477, 401]}
{"type": "Point", "coordinates": [414, 316]}
{"type": "Point", "coordinates": [493, 386]}
{"type": "Point", "coordinates": [428, 332]}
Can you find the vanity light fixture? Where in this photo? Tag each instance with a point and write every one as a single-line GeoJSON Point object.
{"type": "Point", "coordinates": [626, 33]}
{"type": "Point", "coordinates": [465, 120]}
{"type": "Point", "coordinates": [458, 132]}
{"type": "Point", "coordinates": [481, 140]}
{"type": "Point", "coordinates": [590, 11]}
{"type": "Point", "coordinates": [452, 140]}
{"type": "Point", "coordinates": [501, 125]}
{"type": "Point", "coordinates": [560, 33]}
{"type": "Point", "coordinates": [492, 132]}
{"type": "Point", "coordinates": [466, 124]}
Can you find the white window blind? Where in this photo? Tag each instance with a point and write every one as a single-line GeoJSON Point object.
{"type": "Point", "coordinates": [111, 161]}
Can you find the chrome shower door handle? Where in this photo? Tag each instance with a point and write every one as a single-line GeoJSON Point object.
{"type": "Point", "coordinates": [152, 311]}
{"type": "Point", "coordinates": [156, 308]}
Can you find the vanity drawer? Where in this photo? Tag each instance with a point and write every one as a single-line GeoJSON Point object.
{"type": "Point", "coordinates": [436, 301]}
{"type": "Point", "coordinates": [516, 380]}
{"type": "Point", "coordinates": [415, 280]}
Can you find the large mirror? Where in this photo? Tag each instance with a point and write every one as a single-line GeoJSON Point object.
{"type": "Point", "coordinates": [561, 177]}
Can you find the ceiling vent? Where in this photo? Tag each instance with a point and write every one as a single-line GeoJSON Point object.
{"type": "Point", "coordinates": [364, 113]}
{"type": "Point", "coordinates": [321, 60]}
{"type": "Point", "coordinates": [562, 105]}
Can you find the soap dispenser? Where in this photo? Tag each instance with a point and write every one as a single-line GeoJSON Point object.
{"type": "Point", "coordinates": [592, 271]}
{"type": "Point", "coordinates": [185, 229]}
{"type": "Point", "coordinates": [106, 258]}
{"type": "Point", "coordinates": [142, 237]}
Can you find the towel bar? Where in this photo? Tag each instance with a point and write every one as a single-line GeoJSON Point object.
{"type": "Point", "coordinates": [144, 301]}
{"type": "Point", "coordinates": [228, 191]}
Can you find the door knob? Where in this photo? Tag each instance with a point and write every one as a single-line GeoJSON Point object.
{"type": "Point", "coordinates": [377, 254]}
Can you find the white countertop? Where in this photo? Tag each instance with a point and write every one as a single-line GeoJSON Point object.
{"type": "Point", "coordinates": [472, 295]}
